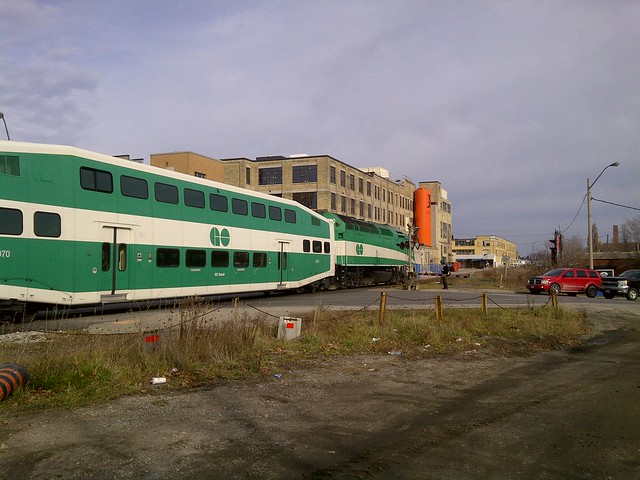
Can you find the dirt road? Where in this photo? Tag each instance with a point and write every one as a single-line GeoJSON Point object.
{"type": "Point", "coordinates": [559, 415]}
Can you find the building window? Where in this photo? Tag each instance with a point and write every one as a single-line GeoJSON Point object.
{"type": "Point", "coordinates": [343, 204]}
{"type": "Point", "coordinates": [200, 175]}
{"type": "Point", "coordinates": [369, 210]}
{"type": "Point", "coordinates": [332, 174]}
{"type": "Point", "coordinates": [270, 176]}
{"type": "Point", "coordinates": [353, 206]}
{"type": "Point", "coordinates": [308, 199]}
{"type": "Point", "coordinates": [343, 178]}
{"type": "Point", "coordinates": [360, 185]}
{"type": "Point", "coordinates": [369, 189]}
{"type": "Point", "coordinates": [352, 182]}
{"type": "Point", "coordinates": [247, 175]}
{"type": "Point", "coordinates": [333, 201]}
{"type": "Point", "coordinates": [304, 173]}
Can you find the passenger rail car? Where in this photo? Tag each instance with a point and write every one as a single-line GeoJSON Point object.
{"type": "Point", "coordinates": [367, 253]}
{"type": "Point", "coordinates": [81, 228]}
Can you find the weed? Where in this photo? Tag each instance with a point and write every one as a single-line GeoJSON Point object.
{"type": "Point", "coordinates": [69, 370]}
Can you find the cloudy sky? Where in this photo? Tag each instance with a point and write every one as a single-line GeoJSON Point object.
{"type": "Point", "coordinates": [511, 105]}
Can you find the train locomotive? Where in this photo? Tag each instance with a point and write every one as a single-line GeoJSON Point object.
{"type": "Point", "coordinates": [79, 228]}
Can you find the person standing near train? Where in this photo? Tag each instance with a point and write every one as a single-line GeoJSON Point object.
{"type": "Point", "coordinates": [445, 274]}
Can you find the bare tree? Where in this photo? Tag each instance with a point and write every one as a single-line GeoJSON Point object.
{"type": "Point", "coordinates": [631, 232]}
{"type": "Point", "coordinates": [573, 252]}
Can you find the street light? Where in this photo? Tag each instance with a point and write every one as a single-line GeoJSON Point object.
{"type": "Point", "coordinates": [590, 233]}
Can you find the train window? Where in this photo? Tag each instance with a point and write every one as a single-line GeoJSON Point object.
{"type": "Point", "coordinates": [96, 180]}
{"type": "Point", "coordinates": [258, 210]}
{"type": "Point", "coordinates": [219, 203]}
{"type": "Point", "coordinates": [220, 259]}
{"type": "Point", "coordinates": [167, 257]}
{"type": "Point", "coordinates": [275, 213]}
{"type": "Point", "coordinates": [317, 246]}
{"type": "Point", "coordinates": [282, 260]}
{"type": "Point", "coordinates": [195, 258]}
{"type": "Point", "coordinates": [259, 259]}
{"type": "Point", "coordinates": [306, 246]}
{"type": "Point", "coordinates": [327, 247]}
{"type": "Point", "coordinates": [166, 193]}
{"type": "Point", "coordinates": [241, 259]}
{"type": "Point", "coordinates": [10, 165]}
{"type": "Point", "coordinates": [10, 221]}
{"type": "Point", "coordinates": [122, 257]}
{"type": "Point", "coordinates": [134, 187]}
{"type": "Point", "coordinates": [46, 224]}
{"type": "Point", "coordinates": [239, 207]}
{"type": "Point", "coordinates": [315, 221]}
{"type": "Point", "coordinates": [193, 198]}
{"type": "Point", "coordinates": [106, 257]}
{"type": "Point", "coordinates": [289, 216]}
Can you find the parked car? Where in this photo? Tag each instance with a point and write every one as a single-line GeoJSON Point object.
{"type": "Point", "coordinates": [626, 284]}
{"type": "Point", "coordinates": [567, 280]}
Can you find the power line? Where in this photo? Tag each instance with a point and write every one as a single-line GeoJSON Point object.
{"type": "Point", "coordinates": [577, 213]}
{"type": "Point", "coordinates": [616, 204]}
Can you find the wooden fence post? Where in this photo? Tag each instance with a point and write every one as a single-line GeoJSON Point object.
{"type": "Point", "coordinates": [439, 315]}
{"type": "Point", "coordinates": [383, 307]}
{"type": "Point", "coordinates": [485, 312]}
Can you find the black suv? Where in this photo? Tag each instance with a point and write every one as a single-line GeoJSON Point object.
{"type": "Point", "coordinates": [626, 285]}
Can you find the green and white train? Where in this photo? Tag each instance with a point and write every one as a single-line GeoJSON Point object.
{"type": "Point", "coordinates": [82, 228]}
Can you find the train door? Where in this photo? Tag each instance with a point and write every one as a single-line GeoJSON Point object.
{"type": "Point", "coordinates": [115, 263]}
{"type": "Point", "coordinates": [283, 263]}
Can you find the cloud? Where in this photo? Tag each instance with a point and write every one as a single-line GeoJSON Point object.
{"type": "Point", "coordinates": [510, 105]}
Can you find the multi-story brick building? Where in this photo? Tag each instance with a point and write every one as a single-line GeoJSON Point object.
{"type": "Point", "coordinates": [485, 251]}
{"type": "Point", "coordinates": [191, 164]}
{"type": "Point", "coordinates": [324, 183]}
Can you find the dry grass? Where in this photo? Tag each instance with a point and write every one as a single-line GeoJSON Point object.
{"type": "Point", "coordinates": [70, 370]}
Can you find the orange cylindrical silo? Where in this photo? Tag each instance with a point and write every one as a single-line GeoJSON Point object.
{"type": "Point", "coordinates": [422, 214]}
